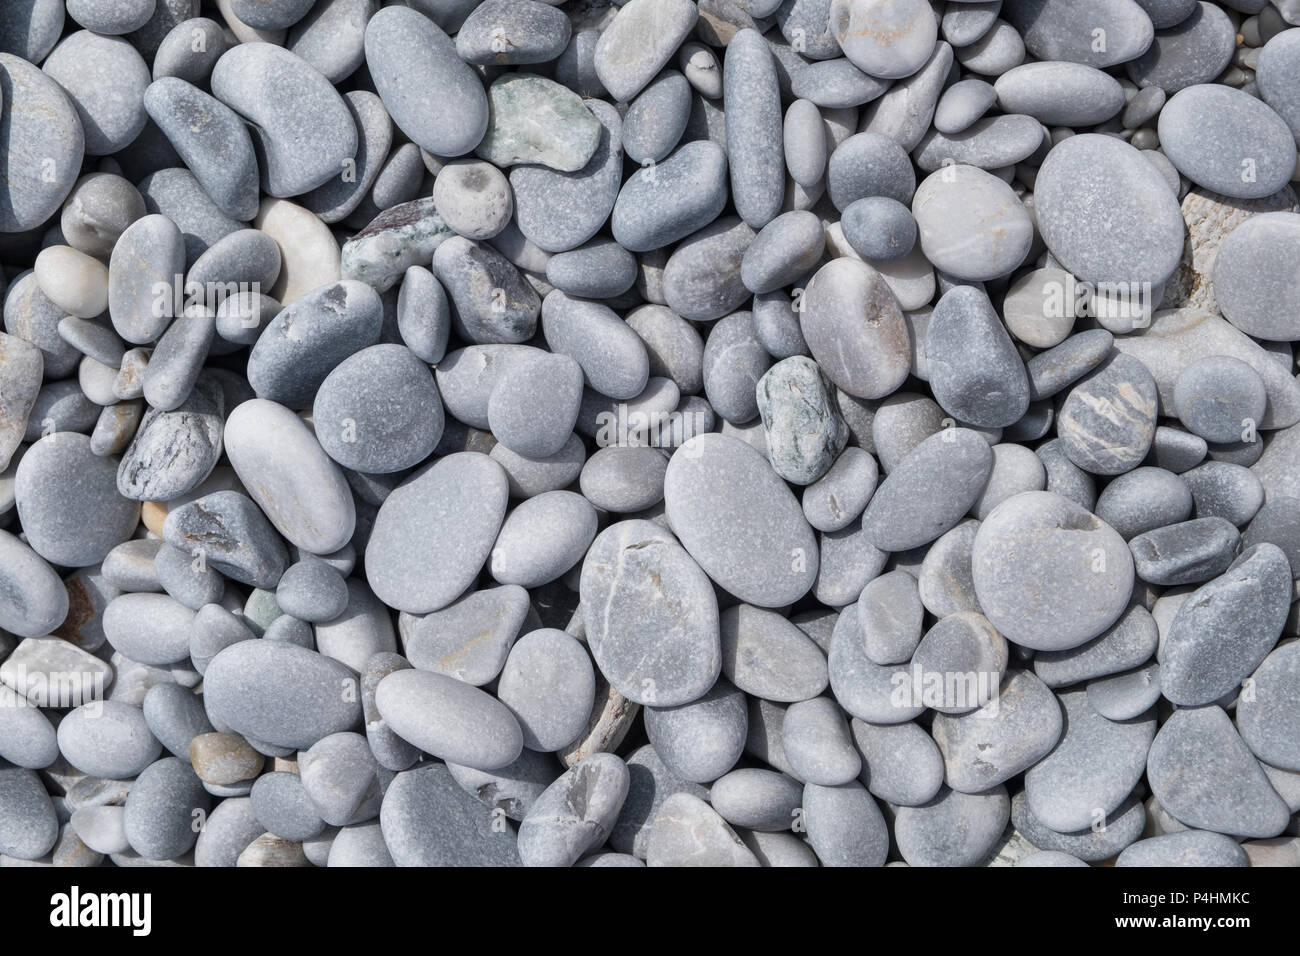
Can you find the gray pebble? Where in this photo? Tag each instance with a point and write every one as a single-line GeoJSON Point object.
{"type": "Point", "coordinates": [1060, 94]}
{"type": "Point", "coordinates": [434, 532]}
{"type": "Point", "coordinates": [929, 491]}
{"type": "Point", "coordinates": [1206, 778]}
{"type": "Point", "coordinates": [175, 716]}
{"type": "Point", "coordinates": [1140, 240]}
{"type": "Point", "coordinates": [161, 808]}
{"type": "Point", "coordinates": [1223, 632]}
{"type": "Point", "coordinates": [1091, 845]}
{"type": "Point", "coordinates": [28, 825]}
{"type": "Point", "coordinates": [378, 411]}
{"type": "Point", "coordinates": [1194, 50]}
{"type": "Point", "coordinates": [294, 482]}
{"type": "Point", "coordinates": [1249, 276]}
{"type": "Point", "coordinates": [1228, 141]}
{"type": "Point", "coordinates": [428, 820]}
{"type": "Point", "coordinates": [312, 591]}
{"type": "Point", "coordinates": [1143, 500]}
{"type": "Point", "coordinates": [575, 813]}
{"type": "Point", "coordinates": [1189, 552]}
{"type": "Point", "coordinates": [652, 651]}
{"type": "Point", "coordinates": [844, 825]}
{"type": "Point", "coordinates": [108, 739]}
{"type": "Point", "coordinates": [1127, 695]}
{"type": "Point", "coordinates": [970, 224]}
{"type": "Point", "coordinates": [105, 79]}
{"type": "Point", "coordinates": [1198, 848]}
{"type": "Point", "coordinates": [469, 639]}
{"type": "Point", "coordinates": [639, 41]}
{"type": "Point", "coordinates": [68, 502]}
{"type": "Point", "coordinates": [211, 139]}
{"type": "Point", "coordinates": [1093, 768]}
{"type": "Point", "coordinates": [1036, 537]}
{"type": "Point", "coordinates": [854, 328]}
{"type": "Point", "coordinates": [302, 128]}
{"type": "Point", "coordinates": [669, 201]}
{"type": "Point", "coordinates": [276, 692]}
{"type": "Point", "coordinates": [512, 31]}
{"type": "Point", "coordinates": [952, 829]}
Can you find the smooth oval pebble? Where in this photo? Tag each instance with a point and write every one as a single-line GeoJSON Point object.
{"type": "Point", "coordinates": [653, 651]}
{"type": "Point", "coordinates": [1038, 537]}
{"type": "Point", "coordinates": [68, 503]}
{"type": "Point", "coordinates": [549, 685]}
{"type": "Point", "coordinates": [929, 491]}
{"type": "Point", "coordinates": [1138, 240]}
{"type": "Point", "coordinates": [378, 411]}
{"type": "Point", "coordinates": [283, 695]}
{"type": "Point", "coordinates": [449, 719]}
{"type": "Point", "coordinates": [767, 556]}
{"type": "Point", "coordinates": [290, 477]}
{"type": "Point", "coordinates": [970, 224]}
{"type": "Point", "coordinates": [1227, 141]}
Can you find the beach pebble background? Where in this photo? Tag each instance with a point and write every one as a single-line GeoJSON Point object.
{"type": "Point", "coordinates": [649, 432]}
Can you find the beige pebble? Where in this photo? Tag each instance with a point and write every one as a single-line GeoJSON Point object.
{"type": "Point", "coordinates": [75, 282]}
{"type": "Point", "coordinates": [269, 850]}
{"type": "Point", "coordinates": [223, 759]}
{"type": "Point", "coordinates": [309, 253]}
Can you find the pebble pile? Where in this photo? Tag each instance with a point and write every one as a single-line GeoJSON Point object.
{"type": "Point", "coordinates": [649, 432]}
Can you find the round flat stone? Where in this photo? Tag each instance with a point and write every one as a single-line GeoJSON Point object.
{"type": "Point", "coordinates": [542, 538]}
{"type": "Point", "coordinates": [1194, 50]}
{"type": "Point", "coordinates": [659, 206]}
{"type": "Point", "coordinates": [900, 762]}
{"type": "Point", "coordinates": [970, 224]}
{"type": "Point", "coordinates": [889, 40]}
{"type": "Point", "coordinates": [1060, 93]}
{"type": "Point", "coordinates": [1062, 30]}
{"type": "Point", "coordinates": [844, 825]}
{"type": "Point", "coordinates": [309, 338]}
{"type": "Point", "coordinates": [378, 411]}
{"type": "Point", "coordinates": [1255, 276]}
{"type": "Point", "coordinates": [105, 78]}
{"type": "Point", "coordinates": [1037, 537]}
